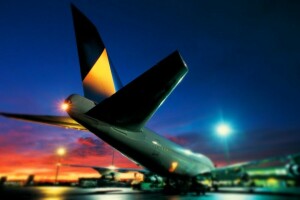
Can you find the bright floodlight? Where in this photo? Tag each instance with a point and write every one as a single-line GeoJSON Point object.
{"type": "Point", "coordinates": [223, 130]}
{"type": "Point", "coordinates": [61, 151]}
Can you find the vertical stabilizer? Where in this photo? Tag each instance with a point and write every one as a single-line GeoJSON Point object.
{"type": "Point", "coordinates": [99, 78]}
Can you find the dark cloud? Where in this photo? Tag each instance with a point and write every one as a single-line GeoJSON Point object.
{"type": "Point", "coordinates": [90, 142]}
{"type": "Point", "coordinates": [90, 146]}
{"type": "Point", "coordinates": [176, 139]}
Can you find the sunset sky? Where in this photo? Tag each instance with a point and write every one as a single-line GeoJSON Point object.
{"type": "Point", "coordinates": [244, 69]}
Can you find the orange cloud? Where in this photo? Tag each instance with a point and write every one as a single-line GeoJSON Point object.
{"type": "Point", "coordinates": [26, 150]}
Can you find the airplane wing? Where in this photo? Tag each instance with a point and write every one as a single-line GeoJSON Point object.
{"type": "Point", "coordinates": [60, 121]}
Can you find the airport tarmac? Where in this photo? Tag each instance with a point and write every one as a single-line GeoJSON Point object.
{"type": "Point", "coordinates": [73, 193]}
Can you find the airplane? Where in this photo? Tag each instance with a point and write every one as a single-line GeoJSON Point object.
{"type": "Point", "coordinates": [118, 114]}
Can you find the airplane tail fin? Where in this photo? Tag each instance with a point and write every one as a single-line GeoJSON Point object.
{"type": "Point", "coordinates": [134, 104]}
{"type": "Point", "coordinates": [99, 77]}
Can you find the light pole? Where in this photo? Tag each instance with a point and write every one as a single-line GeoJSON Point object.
{"type": "Point", "coordinates": [224, 130]}
{"type": "Point", "coordinates": [60, 152]}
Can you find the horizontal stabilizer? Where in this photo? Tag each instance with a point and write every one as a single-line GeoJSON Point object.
{"type": "Point", "coordinates": [133, 105]}
{"type": "Point", "coordinates": [60, 121]}
{"type": "Point", "coordinates": [106, 170]}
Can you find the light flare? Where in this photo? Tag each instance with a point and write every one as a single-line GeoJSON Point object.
{"type": "Point", "coordinates": [65, 106]}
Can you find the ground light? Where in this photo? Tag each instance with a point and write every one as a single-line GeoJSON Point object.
{"type": "Point", "coordinates": [224, 130]}
{"type": "Point", "coordinates": [60, 152]}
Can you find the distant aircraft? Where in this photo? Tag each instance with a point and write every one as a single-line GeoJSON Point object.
{"type": "Point", "coordinates": [118, 114]}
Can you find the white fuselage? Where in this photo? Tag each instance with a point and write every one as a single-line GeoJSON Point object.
{"type": "Point", "coordinates": [145, 147]}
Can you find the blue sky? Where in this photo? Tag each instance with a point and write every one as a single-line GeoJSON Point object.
{"type": "Point", "coordinates": [243, 60]}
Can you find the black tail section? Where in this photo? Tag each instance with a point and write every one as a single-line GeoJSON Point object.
{"type": "Point", "coordinates": [133, 105]}
{"type": "Point", "coordinates": [89, 43]}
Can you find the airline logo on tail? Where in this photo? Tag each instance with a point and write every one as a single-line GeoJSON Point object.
{"type": "Point", "coordinates": [99, 78]}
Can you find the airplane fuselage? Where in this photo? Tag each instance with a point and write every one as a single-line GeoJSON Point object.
{"type": "Point", "coordinates": [145, 147]}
